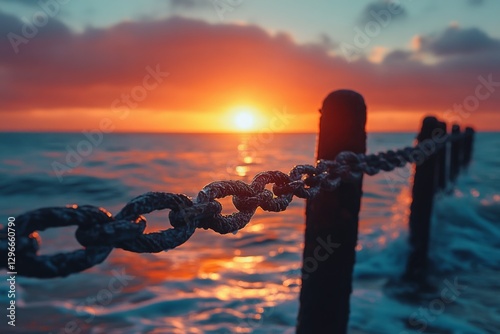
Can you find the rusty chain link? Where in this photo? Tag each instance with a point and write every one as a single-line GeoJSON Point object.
{"type": "Point", "coordinates": [99, 232]}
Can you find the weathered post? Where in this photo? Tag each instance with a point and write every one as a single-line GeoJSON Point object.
{"type": "Point", "coordinates": [442, 168]}
{"type": "Point", "coordinates": [468, 143]}
{"type": "Point", "coordinates": [455, 152]}
{"type": "Point", "coordinates": [332, 222]}
{"type": "Point", "coordinates": [424, 186]}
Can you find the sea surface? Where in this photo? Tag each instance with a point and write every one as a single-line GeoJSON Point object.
{"type": "Point", "coordinates": [247, 282]}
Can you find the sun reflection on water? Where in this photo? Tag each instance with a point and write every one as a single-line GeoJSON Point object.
{"type": "Point", "coordinates": [246, 155]}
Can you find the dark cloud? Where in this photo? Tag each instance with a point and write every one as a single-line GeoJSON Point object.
{"type": "Point", "coordinates": [327, 42]}
{"type": "Point", "coordinates": [382, 11]}
{"type": "Point", "coordinates": [475, 2]}
{"type": "Point", "coordinates": [397, 56]}
{"type": "Point", "coordinates": [190, 4]}
{"type": "Point", "coordinates": [29, 3]}
{"type": "Point", "coordinates": [455, 40]}
{"type": "Point", "coordinates": [17, 34]}
{"type": "Point", "coordinates": [214, 65]}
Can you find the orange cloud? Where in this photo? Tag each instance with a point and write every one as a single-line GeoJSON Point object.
{"type": "Point", "coordinates": [213, 66]}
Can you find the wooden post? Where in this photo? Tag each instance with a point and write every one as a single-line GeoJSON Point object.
{"type": "Point", "coordinates": [455, 152]}
{"type": "Point", "coordinates": [424, 187]}
{"type": "Point", "coordinates": [332, 222]}
{"type": "Point", "coordinates": [442, 159]}
{"type": "Point", "coordinates": [468, 143]}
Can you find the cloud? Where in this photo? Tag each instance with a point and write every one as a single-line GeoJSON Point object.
{"type": "Point", "coordinates": [475, 3]}
{"type": "Point", "coordinates": [327, 42]}
{"type": "Point", "coordinates": [386, 10]}
{"type": "Point", "coordinates": [28, 3]}
{"type": "Point", "coordinates": [213, 66]}
{"type": "Point", "coordinates": [190, 4]}
{"type": "Point", "coordinates": [44, 39]}
{"type": "Point", "coordinates": [455, 40]}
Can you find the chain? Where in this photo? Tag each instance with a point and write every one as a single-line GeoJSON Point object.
{"type": "Point", "coordinates": [99, 231]}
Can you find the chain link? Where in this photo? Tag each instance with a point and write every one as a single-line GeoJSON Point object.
{"type": "Point", "coordinates": [99, 231]}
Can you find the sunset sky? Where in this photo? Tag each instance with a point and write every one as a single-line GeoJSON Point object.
{"type": "Point", "coordinates": [224, 65]}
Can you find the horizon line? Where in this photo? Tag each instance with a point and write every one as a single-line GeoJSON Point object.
{"type": "Point", "coordinates": [200, 132]}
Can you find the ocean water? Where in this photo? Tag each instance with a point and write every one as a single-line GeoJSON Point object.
{"type": "Point", "coordinates": [248, 282]}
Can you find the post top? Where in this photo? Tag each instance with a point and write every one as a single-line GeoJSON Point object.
{"type": "Point", "coordinates": [342, 124]}
{"type": "Point", "coordinates": [344, 99]}
{"type": "Point", "coordinates": [429, 124]}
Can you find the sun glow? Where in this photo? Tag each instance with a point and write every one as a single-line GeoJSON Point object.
{"type": "Point", "coordinates": [244, 118]}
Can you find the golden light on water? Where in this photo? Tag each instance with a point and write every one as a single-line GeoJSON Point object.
{"type": "Point", "coordinates": [241, 170]}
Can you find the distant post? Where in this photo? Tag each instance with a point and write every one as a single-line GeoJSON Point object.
{"type": "Point", "coordinates": [468, 143]}
{"type": "Point", "coordinates": [332, 222]}
{"type": "Point", "coordinates": [442, 160]}
{"type": "Point", "coordinates": [455, 152]}
{"type": "Point", "coordinates": [424, 186]}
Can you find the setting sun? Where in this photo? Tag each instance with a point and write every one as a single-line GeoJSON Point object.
{"type": "Point", "coordinates": [244, 119]}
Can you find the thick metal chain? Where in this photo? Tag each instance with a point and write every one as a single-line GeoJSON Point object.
{"type": "Point", "coordinates": [99, 232]}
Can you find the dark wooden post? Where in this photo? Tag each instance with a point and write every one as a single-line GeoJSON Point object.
{"type": "Point", "coordinates": [455, 152]}
{"type": "Point", "coordinates": [424, 187]}
{"type": "Point", "coordinates": [332, 222]}
{"type": "Point", "coordinates": [468, 143]}
{"type": "Point", "coordinates": [442, 156]}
